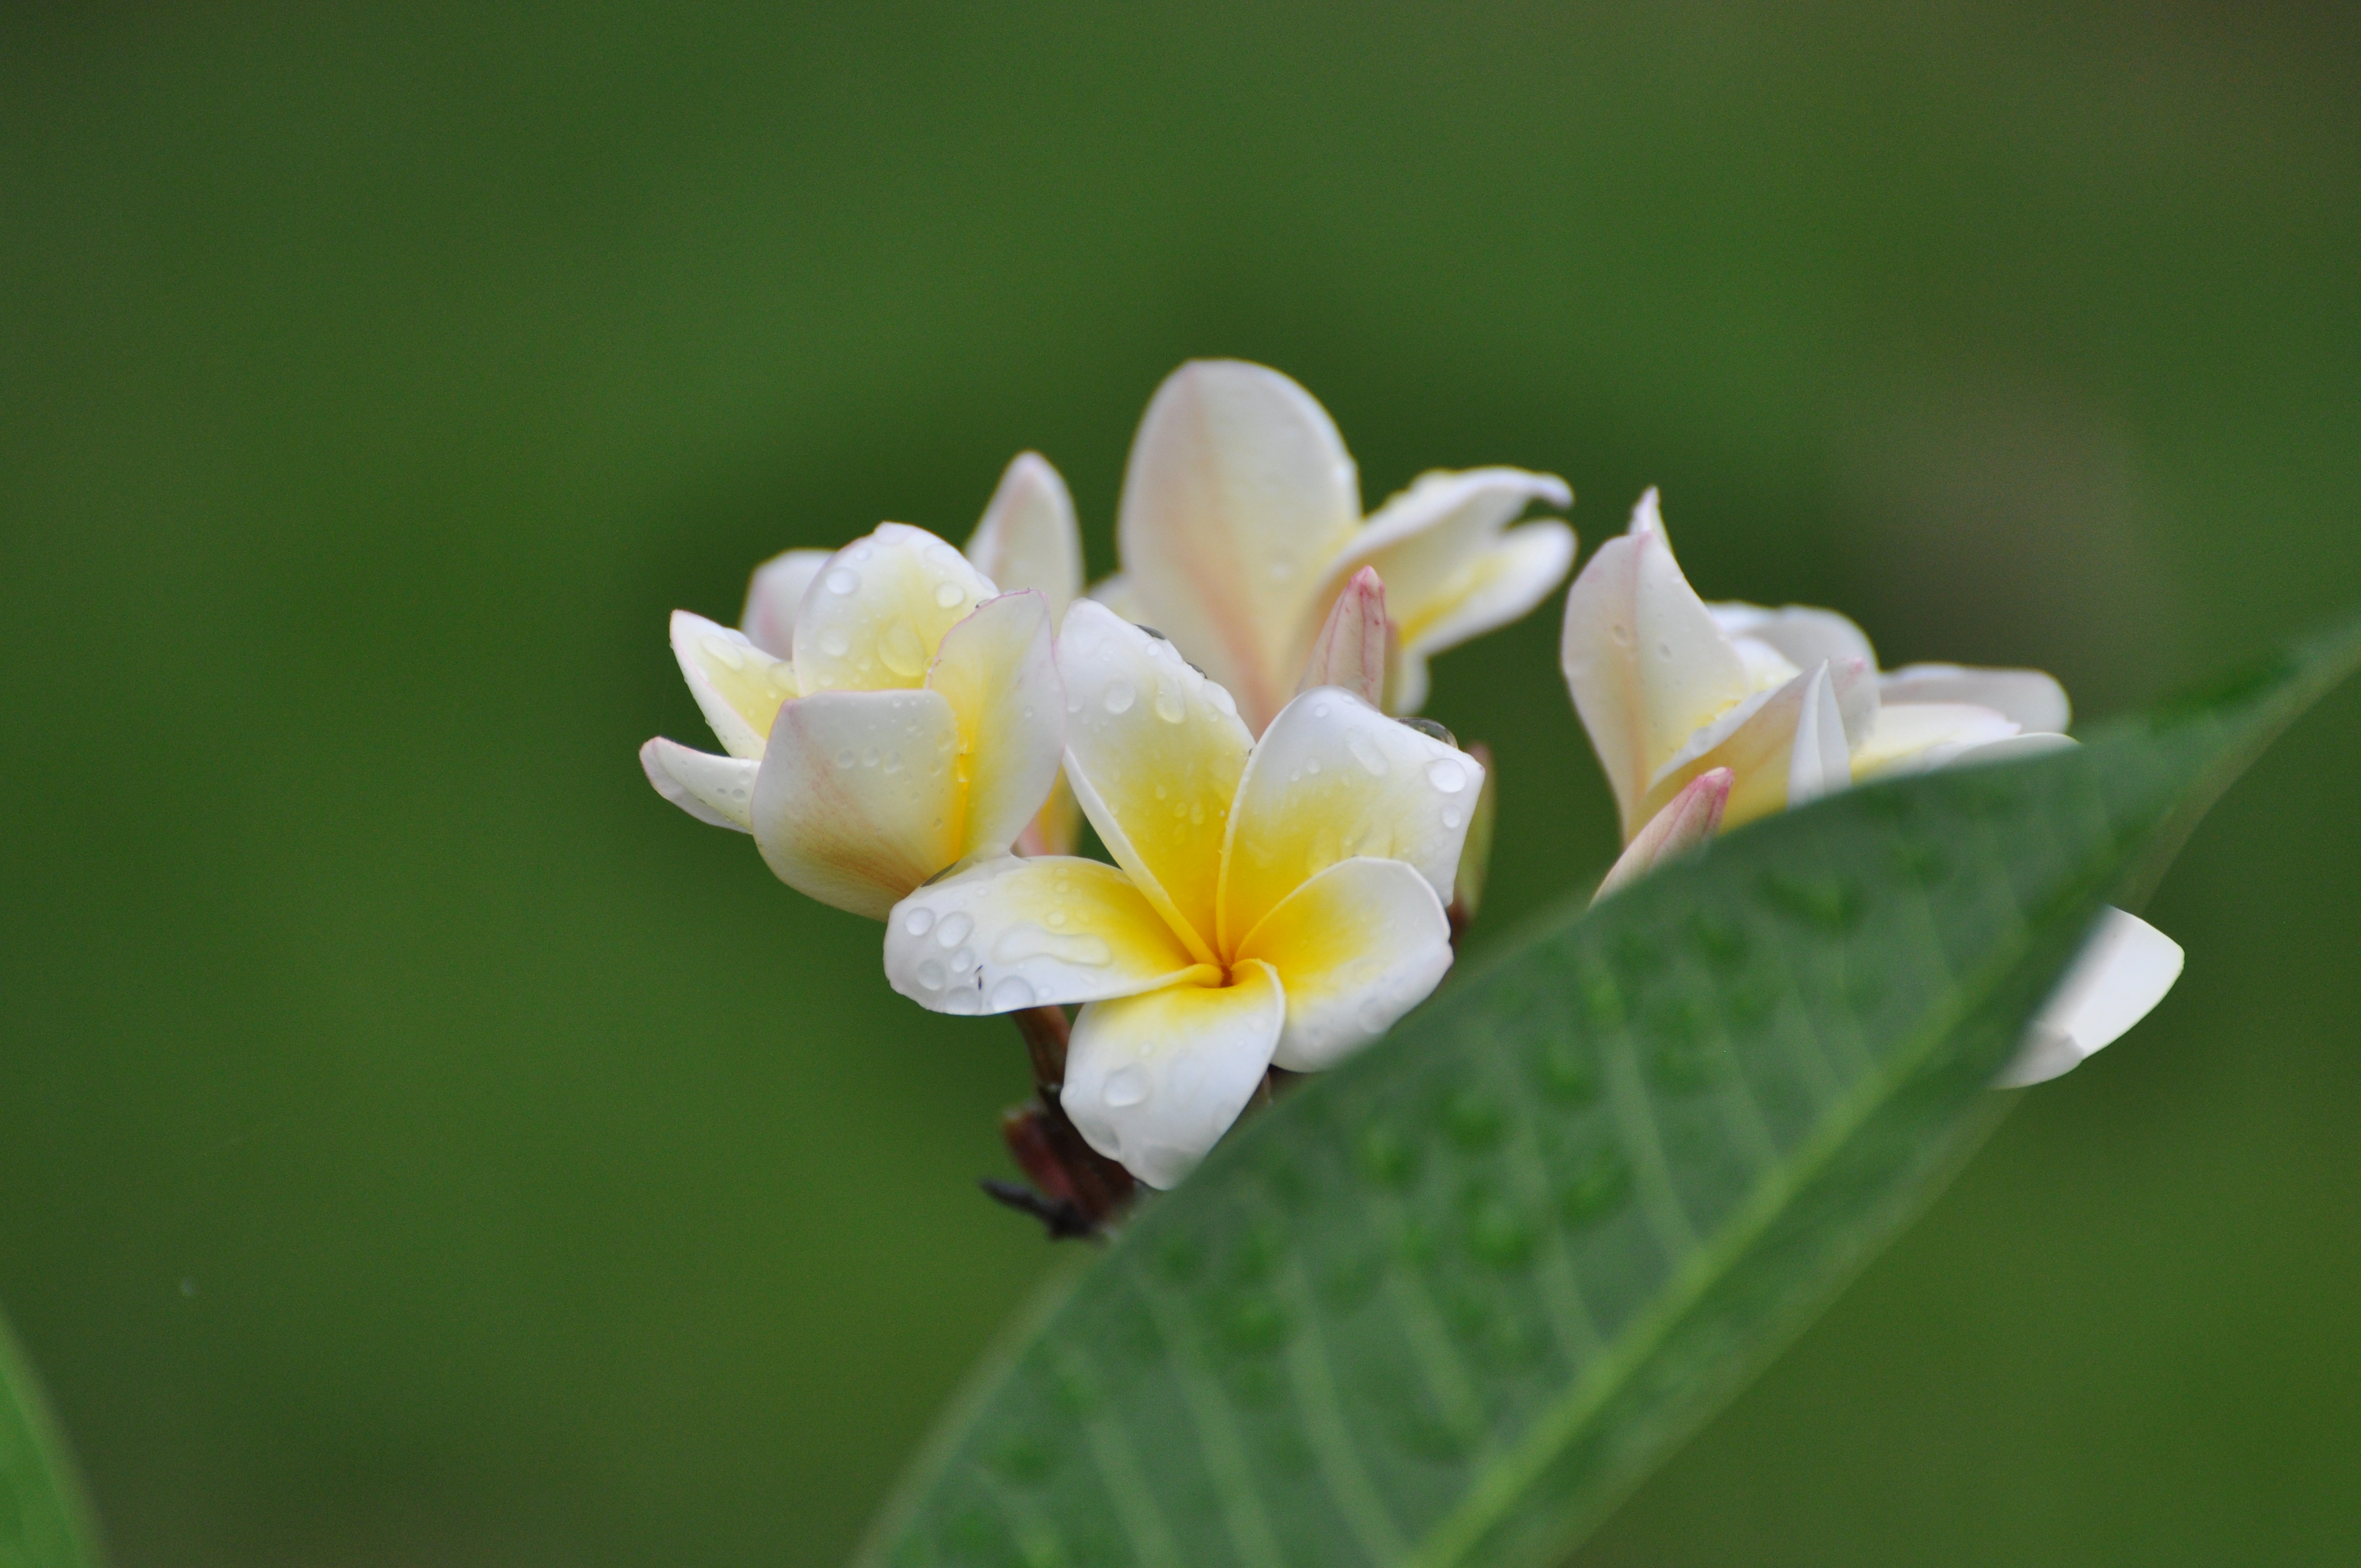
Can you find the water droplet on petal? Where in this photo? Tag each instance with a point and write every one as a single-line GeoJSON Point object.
{"type": "Point", "coordinates": [919, 921]}
{"type": "Point", "coordinates": [844, 580]}
{"type": "Point", "coordinates": [963, 1001]}
{"type": "Point", "coordinates": [1126, 1086]}
{"type": "Point", "coordinates": [1311, 766]}
{"type": "Point", "coordinates": [904, 651]}
{"type": "Point", "coordinates": [1322, 709]}
{"type": "Point", "coordinates": [1365, 751]}
{"type": "Point", "coordinates": [947, 594]}
{"type": "Point", "coordinates": [1119, 698]}
{"type": "Point", "coordinates": [954, 929]}
{"type": "Point", "coordinates": [834, 642]}
{"type": "Point", "coordinates": [1445, 774]}
{"type": "Point", "coordinates": [931, 976]}
{"type": "Point", "coordinates": [1012, 993]}
{"type": "Point", "coordinates": [1169, 706]}
{"type": "Point", "coordinates": [1451, 817]}
{"type": "Point", "coordinates": [845, 758]}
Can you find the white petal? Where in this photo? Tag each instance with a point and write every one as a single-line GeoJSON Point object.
{"type": "Point", "coordinates": [1355, 948]}
{"type": "Point", "coordinates": [1819, 762]}
{"type": "Point", "coordinates": [1154, 750]}
{"type": "Point", "coordinates": [1115, 592]}
{"type": "Point", "coordinates": [2031, 699]}
{"type": "Point", "coordinates": [1154, 1081]}
{"type": "Point", "coordinates": [1646, 664]}
{"type": "Point", "coordinates": [858, 801]}
{"type": "Point", "coordinates": [1756, 741]}
{"type": "Point", "coordinates": [775, 595]}
{"type": "Point", "coordinates": [719, 790]}
{"type": "Point", "coordinates": [996, 670]}
{"type": "Point", "coordinates": [1800, 634]}
{"type": "Point", "coordinates": [1238, 495]}
{"type": "Point", "coordinates": [1029, 538]}
{"type": "Point", "coordinates": [879, 610]}
{"type": "Point", "coordinates": [1011, 933]}
{"type": "Point", "coordinates": [737, 685]}
{"type": "Point", "coordinates": [1913, 737]}
{"type": "Point", "coordinates": [2123, 971]}
{"type": "Point", "coordinates": [1453, 567]}
{"type": "Point", "coordinates": [1333, 778]}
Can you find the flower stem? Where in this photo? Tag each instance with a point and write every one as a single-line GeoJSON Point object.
{"type": "Point", "coordinates": [1080, 1189]}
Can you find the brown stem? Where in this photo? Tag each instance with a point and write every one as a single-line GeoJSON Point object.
{"type": "Point", "coordinates": [1045, 1141]}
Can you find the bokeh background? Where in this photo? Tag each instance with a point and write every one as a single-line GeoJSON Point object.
{"type": "Point", "coordinates": [419, 1144]}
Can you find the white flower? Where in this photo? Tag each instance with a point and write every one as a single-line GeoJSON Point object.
{"type": "Point", "coordinates": [1791, 702]}
{"type": "Point", "coordinates": [1241, 524]}
{"type": "Point", "coordinates": [915, 721]}
{"type": "Point", "coordinates": [1278, 901]}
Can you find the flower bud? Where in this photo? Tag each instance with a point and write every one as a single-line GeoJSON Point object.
{"type": "Point", "coordinates": [1687, 820]}
{"type": "Point", "coordinates": [1350, 650]}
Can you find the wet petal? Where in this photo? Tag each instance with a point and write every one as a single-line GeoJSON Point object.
{"type": "Point", "coordinates": [1154, 750]}
{"type": "Point", "coordinates": [1238, 494]}
{"type": "Point", "coordinates": [1154, 1081]}
{"type": "Point", "coordinates": [719, 790]}
{"type": "Point", "coordinates": [1011, 933]}
{"type": "Point", "coordinates": [1687, 820]}
{"type": "Point", "coordinates": [775, 595]}
{"type": "Point", "coordinates": [2123, 971]}
{"type": "Point", "coordinates": [1115, 592]}
{"type": "Point", "coordinates": [1029, 538]}
{"type": "Point", "coordinates": [1352, 649]}
{"type": "Point", "coordinates": [880, 609]}
{"type": "Point", "coordinates": [1333, 778]}
{"type": "Point", "coordinates": [996, 670]}
{"type": "Point", "coordinates": [1646, 663]}
{"type": "Point", "coordinates": [737, 685]}
{"type": "Point", "coordinates": [857, 802]}
{"type": "Point", "coordinates": [1355, 948]}
{"type": "Point", "coordinates": [2033, 700]}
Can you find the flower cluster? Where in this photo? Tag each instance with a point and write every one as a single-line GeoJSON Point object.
{"type": "Point", "coordinates": [915, 733]}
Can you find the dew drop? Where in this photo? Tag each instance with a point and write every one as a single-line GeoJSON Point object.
{"type": "Point", "coordinates": [1365, 751]}
{"type": "Point", "coordinates": [834, 642]}
{"type": "Point", "coordinates": [723, 651]}
{"type": "Point", "coordinates": [1012, 993]}
{"type": "Point", "coordinates": [949, 594]}
{"type": "Point", "coordinates": [845, 758]}
{"type": "Point", "coordinates": [1119, 698]}
{"type": "Point", "coordinates": [1451, 817]}
{"type": "Point", "coordinates": [963, 961]}
{"type": "Point", "coordinates": [904, 651]}
{"type": "Point", "coordinates": [1322, 709]}
{"type": "Point", "coordinates": [844, 580]}
{"type": "Point", "coordinates": [1619, 634]}
{"type": "Point", "coordinates": [1124, 1087]}
{"type": "Point", "coordinates": [1445, 774]}
{"type": "Point", "coordinates": [963, 1001]}
{"type": "Point", "coordinates": [1169, 706]}
{"type": "Point", "coordinates": [1055, 918]}
{"type": "Point", "coordinates": [954, 928]}
{"type": "Point", "coordinates": [868, 758]}
{"type": "Point", "coordinates": [1313, 766]}
{"type": "Point", "coordinates": [1222, 699]}
{"type": "Point", "coordinates": [919, 921]}
{"type": "Point", "coordinates": [931, 976]}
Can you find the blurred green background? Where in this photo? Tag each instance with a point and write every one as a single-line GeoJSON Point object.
{"type": "Point", "coordinates": [420, 1144]}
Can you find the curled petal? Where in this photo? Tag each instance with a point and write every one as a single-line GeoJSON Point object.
{"type": "Point", "coordinates": [996, 670]}
{"type": "Point", "coordinates": [1009, 932]}
{"type": "Point", "coordinates": [1798, 634]}
{"type": "Point", "coordinates": [2030, 699]}
{"type": "Point", "coordinates": [1154, 750]}
{"type": "Point", "coordinates": [719, 790]}
{"type": "Point", "coordinates": [1351, 650]}
{"type": "Point", "coordinates": [1687, 821]}
{"type": "Point", "coordinates": [1333, 778]}
{"type": "Point", "coordinates": [1911, 737]}
{"type": "Point", "coordinates": [1355, 948]}
{"type": "Point", "coordinates": [775, 595]}
{"type": "Point", "coordinates": [1238, 493]}
{"type": "Point", "coordinates": [879, 610]}
{"type": "Point", "coordinates": [857, 802]}
{"type": "Point", "coordinates": [1819, 763]}
{"type": "Point", "coordinates": [1646, 663]}
{"type": "Point", "coordinates": [1029, 538]}
{"type": "Point", "coordinates": [738, 687]}
{"type": "Point", "coordinates": [1154, 1081]}
{"type": "Point", "coordinates": [1757, 741]}
{"type": "Point", "coordinates": [2123, 971]}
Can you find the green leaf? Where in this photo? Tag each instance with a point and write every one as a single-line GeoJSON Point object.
{"type": "Point", "coordinates": [1448, 1304]}
{"type": "Point", "coordinates": [43, 1521]}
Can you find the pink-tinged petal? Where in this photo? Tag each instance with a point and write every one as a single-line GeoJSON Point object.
{"type": "Point", "coordinates": [1154, 1081]}
{"type": "Point", "coordinates": [1331, 779]}
{"type": "Point", "coordinates": [1029, 538]}
{"type": "Point", "coordinates": [1154, 750]}
{"type": "Point", "coordinates": [1008, 933]}
{"type": "Point", "coordinates": [1355, 948]}
{"type": "Point", "coordinates": [879, 610]}
{"type": "Point", "coordinates": [1646, 664]}
{"type": "Point", "coordinates": [858, 800]}
{"type": "Point", "coordinates": [1687, 821]}
{"type": "Point", "coordinates": [2032, 700]}
{"type": "Point", "coordinates": [719, 790]}
{"type": "Point", "coordinates": [1757, 741]}
{"type": "Point", "coordinates": [1799, 634]}
{"type": "Point", "coordinates": [2123, 971]}
{"type": "Point", "coordinates": [738, 687]}
{"type": "Point", "coordinates": [1238, 494]}
{"type": "Point", "coordinates": [997, 672]}
{"type": "Point", "coordinates": [775, 595]}
{"type": "Point", "coordinates": [1351, 651]}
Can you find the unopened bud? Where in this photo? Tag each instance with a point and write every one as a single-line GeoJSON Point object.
{"type": "Point", "coordinates": [1687, 820]}
{"type": "Point", "coordinates": [1350, 650]}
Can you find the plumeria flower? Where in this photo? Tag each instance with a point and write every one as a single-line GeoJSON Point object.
{"type": "Point", "coordinates": [1241, 524]}
{"type": "Point", "coordinates": [1277, 901]}
{"type": "Point", "coordinates": [1706, 716]}
{"type": "Point", "coordinates": [915, 720]}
